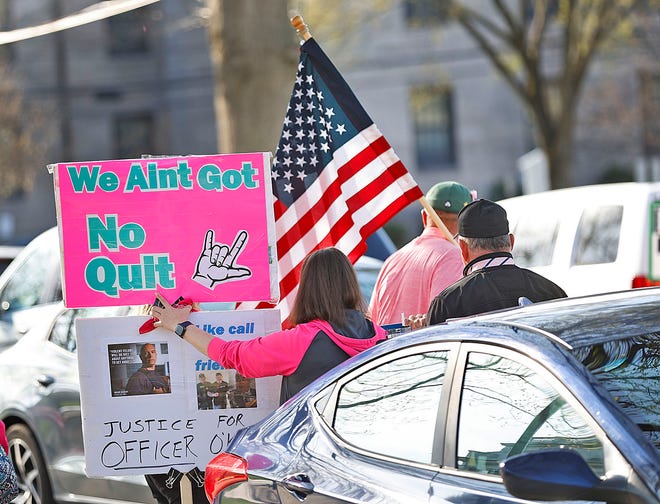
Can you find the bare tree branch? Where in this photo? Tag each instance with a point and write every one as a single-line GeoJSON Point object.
{"type": "Point", "coordinates": [582, 28]}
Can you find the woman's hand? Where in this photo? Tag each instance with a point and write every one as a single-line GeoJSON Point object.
{"type": "Point", "coordinates": [168, 316]}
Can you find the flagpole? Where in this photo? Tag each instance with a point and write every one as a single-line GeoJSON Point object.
{"type": "Point", "coordinates": [301, 28]}
{"type": "Point", "coordinates": [436, 219]}
{"type": "Point", "coordinates": [303, 32]}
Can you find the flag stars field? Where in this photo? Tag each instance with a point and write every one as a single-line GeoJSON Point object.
{"type": "Point", "coordinates": [307, 130]}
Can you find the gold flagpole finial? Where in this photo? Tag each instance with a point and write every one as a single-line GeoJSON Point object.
{"type": "Point", "coordinates": [301, 28]}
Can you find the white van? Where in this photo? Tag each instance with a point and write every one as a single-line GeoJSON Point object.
{"type": "Point", "coordinates": [590, 239]}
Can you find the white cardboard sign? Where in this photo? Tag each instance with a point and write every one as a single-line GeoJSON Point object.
{"type": "Point", "coordinates": [178, 421]}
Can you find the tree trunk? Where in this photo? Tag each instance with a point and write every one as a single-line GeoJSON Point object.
{"type": "Point", "coordinates": [559, 162]}
{"type": "Point", "coordinates": [557, 142]}
{"type": "Point", "coordinates": [254, 54]}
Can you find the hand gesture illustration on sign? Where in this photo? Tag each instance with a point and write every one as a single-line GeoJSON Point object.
{"type": "Point", "coordinates": [216, 262]}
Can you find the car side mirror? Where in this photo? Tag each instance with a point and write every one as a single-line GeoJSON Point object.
{"type": "Point", "coordinates": [557, 475]}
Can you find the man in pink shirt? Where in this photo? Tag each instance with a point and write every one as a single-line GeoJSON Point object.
{"type": "Point", "coordinates": [416, 273]}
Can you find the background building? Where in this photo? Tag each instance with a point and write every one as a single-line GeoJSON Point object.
{"type": "Point", "coordinates": [133, 84]}
{"type": "Point", "coordinates": [141, 83]}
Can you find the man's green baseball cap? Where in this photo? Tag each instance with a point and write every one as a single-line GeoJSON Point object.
{"type": "Point", "coordinates": [449, 196]}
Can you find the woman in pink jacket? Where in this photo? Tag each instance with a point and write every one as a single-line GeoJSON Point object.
{"type": "Point", "coordinates": [3, 437]}
{"type": "Point", "coordinates": [329, 326]}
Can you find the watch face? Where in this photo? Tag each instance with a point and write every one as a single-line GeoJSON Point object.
{"type": "Point", "coordinates": [181, 328]}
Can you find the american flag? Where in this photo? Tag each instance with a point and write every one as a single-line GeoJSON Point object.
{"type": "Point", "coordinates": [335, 178]}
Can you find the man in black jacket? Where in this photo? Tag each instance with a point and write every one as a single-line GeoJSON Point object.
{"type": "Point", "coordinates": [491, 280]}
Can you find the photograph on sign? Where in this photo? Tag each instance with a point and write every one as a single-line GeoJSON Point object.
{"type": "Point", "coordinates": [197, 226]}
{"type": "Point", "coordinates": [219, 393]}
{"type": "Point", "coordinates": [135, 370]}
{"type": "Point", "coordinates": [152, 402]}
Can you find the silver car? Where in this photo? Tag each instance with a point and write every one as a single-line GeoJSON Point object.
{"type": "Point", "coordinates": [40, 396]}
{"type": "Point", "coordinates": [556, 401]}
{"type": "Point", "coordinates": [40, 405]}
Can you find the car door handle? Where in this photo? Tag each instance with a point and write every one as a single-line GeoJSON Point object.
{"type": "Point", "coordinates": [298, 483]}
{"type": "Point", "coordinates": [45, 380]}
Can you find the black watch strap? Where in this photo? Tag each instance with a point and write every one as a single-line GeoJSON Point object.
{"type": "Point", "coordinates": [180, 329]}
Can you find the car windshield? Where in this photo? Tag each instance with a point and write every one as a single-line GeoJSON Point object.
{"type": "Point", "coordinates": [630, 370]}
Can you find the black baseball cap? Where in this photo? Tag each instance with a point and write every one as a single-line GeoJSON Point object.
{"type": "Point", "coordinates": [482, 219]}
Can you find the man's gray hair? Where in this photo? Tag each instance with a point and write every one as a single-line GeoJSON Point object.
{"type": "Point", "coordinates": [500, 243]}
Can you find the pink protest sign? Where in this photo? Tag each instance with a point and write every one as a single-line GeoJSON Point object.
{"type": "Point", "coordinates": [200, 227]}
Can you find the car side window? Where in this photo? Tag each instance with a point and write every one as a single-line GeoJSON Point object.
{"type": "Point", "coordinates": [28, 283]}
{"type": "Point", "coordinates": [629, 368]}
{"type": "Point", "coordinates": [536, 235]}
{"type": "Point", "coordinates": [508, 409]}
{"type": "Point", "coordinates": [397, 420]}
{"type": "Point", "coordinates": [64, 331]}
{"type": "Point", "coordinates": [598, 232]}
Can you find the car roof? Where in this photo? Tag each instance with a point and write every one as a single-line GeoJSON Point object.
{"type": "Point", "coordinates": [567, 323]}
{"type": "Point", "coordinates": [368, 262]}
{"type": "Point", "coordinates": [585, 320]}
{"type": "Point", "coordinates": [585, 194]}
{"type": "Point", "coordinates": [10, 251]}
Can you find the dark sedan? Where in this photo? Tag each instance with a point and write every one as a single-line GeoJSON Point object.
{"type": "Point", "coordinates": [553, 401]}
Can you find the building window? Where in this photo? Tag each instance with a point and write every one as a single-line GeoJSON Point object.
{"type": "Point", "coordinates": [420, 13]}
{"type": "Point", "coordinates": [134, 135]}
{"type": "Point", "coordinates": [434, 127]}
{"type": "Point", "coordinates": [129, 32]}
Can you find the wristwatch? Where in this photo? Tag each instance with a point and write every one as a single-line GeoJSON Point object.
{"type": "Point", "coordinates": [180, 329]}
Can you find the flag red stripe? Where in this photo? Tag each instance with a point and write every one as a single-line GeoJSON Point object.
{"type": "Point", "coordinates": [373, 189]}
{"type": "Point", "coordinates": [380, 219]}
{"type": "Point", "coordinates": [393, 208]}
{"type": "Point", "coordinates": [316, 212]}
{"type": "Point", "coordinates": [309, 219]}
{"type": "Point", "coordinates": [289, 280]}
{"type": "Point", "coordinates": [280, 208]}
{"type": "Point", "coordinates": [364, 157]}
{"type": "Point", "coordinates": [354, 203]}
